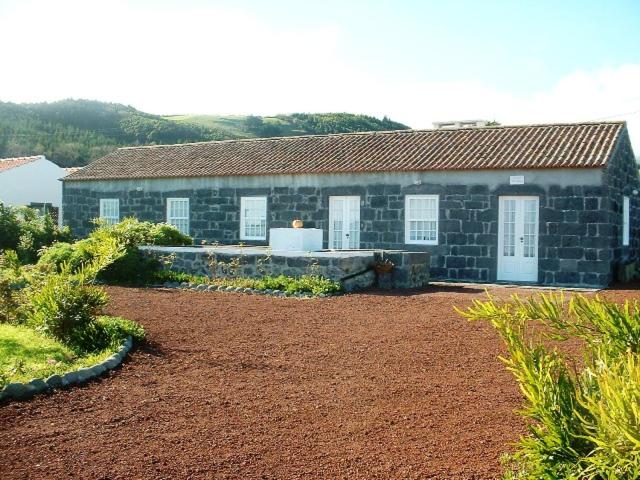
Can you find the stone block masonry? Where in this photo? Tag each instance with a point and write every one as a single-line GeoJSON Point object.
{"type": "Point", "coordinates": [353, 269]}
{"type": "Point", "coordinates": [580, 215]}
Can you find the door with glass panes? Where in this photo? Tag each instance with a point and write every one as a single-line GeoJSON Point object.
{"type": "Point", "coordinates": [344, 222]}
{"type": "Point", "coordinates": [518, 239]}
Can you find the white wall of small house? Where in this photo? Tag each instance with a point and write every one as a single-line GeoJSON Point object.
{"type": "Point", "coordinates": [36, 182]}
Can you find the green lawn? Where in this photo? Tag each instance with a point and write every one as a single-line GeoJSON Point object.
{"type": "Point", "coordinates": [25, 354]}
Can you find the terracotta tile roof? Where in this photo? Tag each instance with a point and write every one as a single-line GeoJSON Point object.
{"type": "Point", "coordinates": [583, 145]}
{"type": "Point", "coordinates": [9, 163]}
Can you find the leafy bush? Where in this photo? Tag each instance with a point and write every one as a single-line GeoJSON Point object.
{"type": "Point", "coordinates": [164, 275]}
{"type": "Point", "coordinates": [58, 254]}
{"type": "Point", "coordinates": [585, 420]}
{"type": "Point", "coordinates": [9, 227]}
{"type": "Point", "coordinates": [132, 267]}
{"type": "Point", "coordinates": [116, 329]}
{"type": "Point", "coordinates": [313, 284]}
{"type": "Point", "coordinates": [10, 283]}
{"type": "Point", "coordinates": [9, 303]}
{"type": "Point", "coordinates": [65, 304]}
{"type": "Point", "coordinates": [26, 231]}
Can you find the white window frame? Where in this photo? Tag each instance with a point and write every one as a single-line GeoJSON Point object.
{"type": "Point", "coordinates": [625, 221]}
{"type": "Point", "coordinates": [408, 219]}
{"type": "Point", "coordinates": [108, 213]}
{"type": "Point", "coordinates": [243, 219]}
{"type": "Point", "coordinates": [171, 220]}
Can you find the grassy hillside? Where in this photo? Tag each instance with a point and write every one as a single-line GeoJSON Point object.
{"type": "Point", "coordinates": [75, 132]}
{"type": "Point", "coordinates": [290, 125]}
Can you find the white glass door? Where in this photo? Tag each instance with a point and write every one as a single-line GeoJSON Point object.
{"type": "Point", "coordinates": [344, 222]}
{"type": "Point", "coordinates": [518, 239]}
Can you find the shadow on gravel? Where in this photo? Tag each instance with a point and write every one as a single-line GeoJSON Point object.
{"type": "Point", "coordinates": [410, 292]}
{"type": "Point", "coordinates": [150, 348]}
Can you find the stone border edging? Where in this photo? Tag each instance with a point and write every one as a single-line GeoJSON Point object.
{"type": "Point", "coordinates": [201, 287]}
{"type": "Point", "coordinates": [22, 391]}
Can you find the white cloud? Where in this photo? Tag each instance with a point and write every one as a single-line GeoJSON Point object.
{"type": "Point", "coordinates": [222, 60]}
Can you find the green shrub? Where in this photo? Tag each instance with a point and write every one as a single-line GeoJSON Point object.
{"type": "Point", "coordinates": [133, 267]}
{"type": "Point", "coordinates": [10, 283]}
{"type": "Point", "coordinates": [64, 307]}
{"type": "Point", "coordinates": [65, 304]}
{"type": "Point", "coordinates": [26, 231]}
{"type": "Point", "coordinates": [313, 284]}
{"type": "Point", "coordinates": [132, 233]}
{"type": "Point", "coordinates": [9, 227]}
{"type": "Point", "coordinates": [585, 421]}
{"type": "Point", "coordinates": [9, 303]}
{"type": "Point", "coordinates": [116, 329]}
{"type": "Point", "coordinates": [164, 275]}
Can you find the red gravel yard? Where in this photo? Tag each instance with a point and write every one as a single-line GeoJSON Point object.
{"type": "Point", "coordinates": [229, 385]}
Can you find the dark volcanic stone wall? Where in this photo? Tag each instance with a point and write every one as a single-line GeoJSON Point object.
{"type": "Point", "coordinates": [620, 179]}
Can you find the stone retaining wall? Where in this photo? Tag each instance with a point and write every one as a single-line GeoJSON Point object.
{"type": "Point", "coordinates": [353, 269]}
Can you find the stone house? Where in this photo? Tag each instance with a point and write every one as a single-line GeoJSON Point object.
{"type": "Point", "coordinates": [547, 204]}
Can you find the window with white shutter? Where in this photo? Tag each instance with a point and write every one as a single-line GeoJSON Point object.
{"type": "Point", "coordinates": [110, 210]}
{"type": "Point", "coordinates": [178, 214]}
{"type": "Point", "coordinates": [253, 218]}
{"type": "Point", "coordinates": [421, 219]}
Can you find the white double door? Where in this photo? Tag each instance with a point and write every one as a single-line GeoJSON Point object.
{"type": "Point", "coordinates": [344, 222]}
{"type": "Point", "coordinates": [518, 239]}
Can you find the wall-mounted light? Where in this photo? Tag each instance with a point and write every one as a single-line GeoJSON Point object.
{"type": "Point", "coordinates": [635, 192]}
{"type": "Point", "coordinates": [138, 189]}
{"type": "Point", "coordinates": [418, 182]}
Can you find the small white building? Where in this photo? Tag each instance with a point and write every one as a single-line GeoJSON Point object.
{"type": "Point", "coordinates": [460, 124]}
{"type": "Point", "coordinates": [31, 181]}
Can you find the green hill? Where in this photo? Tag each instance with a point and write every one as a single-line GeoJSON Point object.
{"type": "Point", "coordinates": [75, 132]}
{"type": "Point", "coordinates": [290, 125]}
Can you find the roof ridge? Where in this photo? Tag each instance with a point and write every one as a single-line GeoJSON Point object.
{"type": "Point", "coordinates": [372, 132]}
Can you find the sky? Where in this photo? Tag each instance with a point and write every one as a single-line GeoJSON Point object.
{"type": "Point", "coordinates": [415, 61]}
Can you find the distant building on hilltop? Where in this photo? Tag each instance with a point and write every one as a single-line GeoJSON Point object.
{"type": "Point", "coordinates": [462, 124]}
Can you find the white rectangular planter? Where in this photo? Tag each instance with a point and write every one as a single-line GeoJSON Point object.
{"type": "Point", "coordinates": [296, 239]}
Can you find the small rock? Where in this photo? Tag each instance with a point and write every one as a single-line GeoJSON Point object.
{"type": "Point", "coordinates": [248, 290]}
{"type": "Point", "coordinates": [39, 384]}
{"type": "Point", "coordinates": [229, 289]}
{"type": "Point", "coordinates": [111, 363]}
{"type": "Point", "coordinates": [70, 378]}
{"type": "Point", "coordinates": [238, 289]}
{"type": "Point", "coordinates": [98, 369]}
{"type": "Point", "coordinates": [16, 390]}
{"type": "Point", "coordinates": [54, 381]}
{"type": "Point", "coordinates": [211, 288]}
{"type": "Point", "coordinates": [201, 287]}
{"type": "Point", "coordinates": [184, 285]}
{"type": "Point", "coordinates": [84, 374]}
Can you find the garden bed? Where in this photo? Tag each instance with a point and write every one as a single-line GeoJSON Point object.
{"type": "Point", "coordinates": [25, 354]}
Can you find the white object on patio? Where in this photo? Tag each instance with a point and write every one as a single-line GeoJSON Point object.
{"type": "Point", "coordinates": [296, 239]}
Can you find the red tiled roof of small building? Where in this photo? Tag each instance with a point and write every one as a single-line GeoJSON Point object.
{"type": "Point", "coordinates": [9, 163]}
